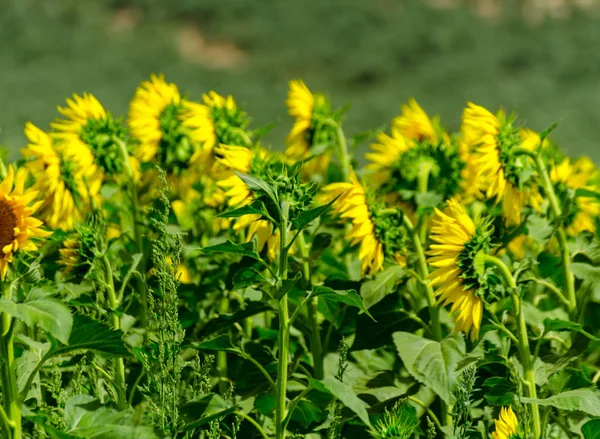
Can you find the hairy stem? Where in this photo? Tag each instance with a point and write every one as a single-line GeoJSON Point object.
{"type": "Point", "coordinates": [523, 345]}
{"type": "Point", "coordinates": [344, 156]}
{"type": "Point", "coordinates": [284, 329]}
{"type": "Point", "coordinates": [11, 412]}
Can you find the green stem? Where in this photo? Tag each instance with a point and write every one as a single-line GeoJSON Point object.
{"type": "Point", "coordinates": [344, 156]}
{"type": "Point", "coordinates": [137, 234]}
{"type": "Point", "coordinates": [222, 355]}
{"type": "Point", "coordinates": [523, 338]}
{"type": "Point", "coordinates": [422, 183]}
{"type": "Point", "coordinates": [429, 412]}
{"type": "Point", "coordinates": [315, 335]}
{"type": "Point", "coordinates": [11, 413]}
{"type": "Point", "coordinates": [113, 306]}
{"type": "Point", "coordinates": [253, 422]}
{"type": "Point", "coordinates": [559, 295]}
{"type": "Point", "coordinates": [561, 233]}
{"type": "Point", "coordinates": [424, 274]}
{"type": "Point", "coordinates": [284, 330]}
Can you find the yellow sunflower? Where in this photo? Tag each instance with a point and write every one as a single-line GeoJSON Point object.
{"type": "Point", "coordinates": [414, 123]}
{"type": "Point", "coordinates": [457, 240]}
{"type": "Point", "coordinates": [17, 225]}
{"type": "Point", "coordinates": [352, 204]}
{"type": "Point", "coordinates": [489, 139]}
{"type": "Point", "coordinates": [386, 152]}
{"type": "Point", "coordinates": [59, 180]}
{"type": "Point", "coordinates": [301, 105]}
{"type": "Point", "coordinates": [506, 425]}
{"type": "Point", "coordinates": [578, 175]}
{"type": "Point", "coordinates": [69, 133]}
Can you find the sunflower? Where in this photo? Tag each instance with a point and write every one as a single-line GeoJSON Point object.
{"type": "Point", "coordinates": [17, 225]}
{"type": "Point", "coordinates": [579, 174]}
{"type": "Point", "coordinates": [500, 175]}
{"type": "Point", "coordinates": [457, 242]}
{"type": "Point", "coordinates": [506, 426]}
{"type": "Point", "coordinates": [353, 204]}
{"type": "Point", "coordinates": [87, 135]}
{"type": "Point", "coordinates": [309, 111]}
{"type": "Point", "coordinates": [415, 124]}
{"type": "Point", "coordinates": [59, 180]}
{"type": "Point", "coordinates": [417, 154]}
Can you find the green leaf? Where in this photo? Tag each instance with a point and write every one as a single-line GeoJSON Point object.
{"type": "Point", "coordinates": [586, 272]}
{"type": "Point", "coordinates": [591, 429]}
{"type": "Point", "coordinates": [583, 400]}
{"type": "Point", "coordinates": [245, 249]}
{"type": "Point", "coordinates": [307, 216]}
{"type": "Point", "coordinates": [288, 285]}
{"type": "Point", "coordinates": [258, 185]}
{"type": "Point", "coordinates": [307, 413]}
{"type": "Point", "coordinates": [219, 343]}
{"type": "Point", "coordinates": [255, 208]}
{"type": "Point", "coordinates": [86, 418]}
{"type": "Point", "coordinates": [349, 297]}
{"type": "Point", "coordinates": [226, 320]}
{"type": "Point", "coordinates": [498, 391]}
{"type": "Point", "coordinates": [204, 409]}
{"type": "Point", "coordinates": [345, 394]}
{"type": "Point", "coordinates": [430, 362]}
{"type": "Point", "coordinates": [91, 335]}
{"type": "Point", "coordinates": [265, 403]}
{"type": "Point", "coordinates": [248, 276]}
{"type": "Point", "coordinates": [539, 229]}
{"type": "Point", "coordinates": [429, 199]}
{"type": "Point", "coordinates": [583, 192]}
{"type": "Point", "coordinates": [40, 310]}
{"type": "Point", "coordinates": [373, 291]}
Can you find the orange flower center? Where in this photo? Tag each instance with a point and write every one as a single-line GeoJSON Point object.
{"type": "Point", "coordinates": [8, 222]}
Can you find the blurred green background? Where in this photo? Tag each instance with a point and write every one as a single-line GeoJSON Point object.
{"type": "Point", "coordinates": [538, 57]}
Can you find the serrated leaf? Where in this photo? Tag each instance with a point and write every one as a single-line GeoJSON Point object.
{"type": "Point", "coordinates": [40, 310]}
{"type": "Point", "coordinates": [586, 272]}
{"type": "Point", "coordinates": [349, 297]}
{"type": "Point", "coordinates": [220, 343]}
{"type": "Point", "coordinates": [430, 362]}
{"type": "Point", "coordinates": [244, 249]}
{"type": "Point", "coordinates": [345, 394]}
{"type": "Point", "coordinates": [255, 208]}
{"type": "Point", "coordinates": [91, 335]}
{"type": "Point", "coordinates": [258, 185]}
{"type": "Point", "coordinates": [246, 277]}
{"type": "Point", "coordinates": [539, 229]}
{"type": "Point", "coordinates": [583, 400]}
{"type": "Point", "coordinates": [307, 216]}
{"type": "Point", "coordinates": [373, 291]}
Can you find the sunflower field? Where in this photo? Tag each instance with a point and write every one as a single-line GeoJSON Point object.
{"type": "Point", "coordinates": [168, 274]}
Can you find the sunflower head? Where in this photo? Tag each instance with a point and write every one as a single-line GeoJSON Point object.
{"type": "Point", "coordinates": [18, 228]}
{"type": "Point", "coordinates": [417, 156]}
{"type": "Point", "coordinates": [314, 128]}
{"type": "Point", "coordinates": [458, 276]}
{"type": "Point", "coordinates": [90, 134]}
{"type": "Point", "coordinates": [500, 174]}
{"type": "Point", "coordinates": [569, 176]}
{"type": "Point", "coordinates": [64, 186]}
{"type": "Point", "coordinates": [398, 423]}
{"type": "Point", "coordinates": [506, 425]}
{"type": "Point", "coordinates": [78, 252]}
{"type": "Point", "coordinates": [230, 122]}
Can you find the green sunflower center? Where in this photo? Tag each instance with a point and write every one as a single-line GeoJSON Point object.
{"type": "Point", "coordinates": [68, 172]}
{"type": "Point", "coordinates": [444, 167]}
{"type": "Point", "coordinates": [231, 126]}
{"type": "Point", "coordinates": [470, 275]}
{"type": "Point", "coordinates": [388, 225]}
{"type": "Point", "coordinates": [518, 170]}
{"type": "Point", "coordinates": [100, 135]}
{"type": "Point", "coordinates": [321, 131]}
{"type": "Point", "coordinates": [175, 149]}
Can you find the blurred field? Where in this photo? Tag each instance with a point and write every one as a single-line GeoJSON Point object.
{"type": "Point", "coordinates": [539, 58]}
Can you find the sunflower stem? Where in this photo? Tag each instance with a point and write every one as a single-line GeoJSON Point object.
{"type": "Point", "coordinates": [561, 233]}
{"type": "Point", "coordinates": [315, 335]}
{"type": "Point", "coordinates": [344, 156]}
{"type": "Point", "coordinates": [11, 412]}
{"type": "Point", "coordinates": [222, 355]}
{"type": "Point", "coordinates": [523, 338]}
{"type": "Point", "coordinates": [119, 366]}
{"type": "Point", "coordinates": [424, 274]}
{"type": "Point", "coordinates": [284, 327]}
